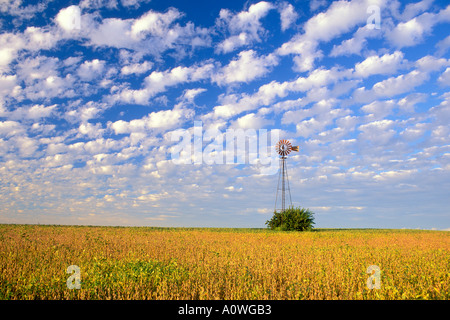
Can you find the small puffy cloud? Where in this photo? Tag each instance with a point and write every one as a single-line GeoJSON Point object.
{"type": "Point", "coordinates": [408, 103]}
{"type": "Point", "coordinates": [413, 31]}
{"type": "Point", "coordinates": [159, 81]}
{"type": "Point", "coordinates": [34, 112]}
{"type": "Point", "coordinates": [392, 86]}
{"type": "Point", "coordinates": [443, 46]}
{"type": "Point", "coordinates": [377, 110]}
{"type": "Point", "coordinates": [91, 130]}
{"type": "Point", "coordinates": [91, 69]}
{"type": "Point", "coordinates": [152, 33]}
{"type": "Point", "coordinates": [136, 68]}
{"type": "Point", "coordinates": [341, 17]}
{"type": "Point", "coordinates": [386, 64]}
{"type": "Point", "coordinates": [154, 23]}
{"type": "Point", "coordinates": [288, 15]}
{"type": "Point", "coordinates": [244, 27]}
{"type": "Point", "coordinates": [444, 78]}
{"type": "Point", "coordinates": [316, 4]}
{"type": "Point", "coordinates": [400, 84]}
{"type": "Point", "coordinates": [97, 4]}
{"type": "Point", "coordinates": [413, 9]}
{"type": "Point", "coordinates": [246, 68]}
{"type": "Point", "coordinates": [190, 94]}
{"type": "Point", "coordinates": [112, 32]}
{"type": "Point", "coordinates": [10, 128]}
{"type": "Point", "coordinates": [40, 38]}
{"type": "Point", "coordinates": [27, 146]}
{"type": "Point", "coordinates": [354, 45]}
{"type": "Point", "coordinates": [377, 132]}
{"type": "Point", "coordinates": [431, 63]}
{"type": "Point", "coordinates": [250, 121]}
{"type": "Point", "coordinates": [160, 120]}
{"type": "Point", "coordinates": [69, 19]}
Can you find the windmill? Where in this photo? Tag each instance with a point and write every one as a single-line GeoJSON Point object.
{"type": "Point", "coordinates": [283, 147]}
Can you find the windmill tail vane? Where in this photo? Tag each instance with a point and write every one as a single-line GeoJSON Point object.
{"type": "Point", "coordinates": [284, 147]}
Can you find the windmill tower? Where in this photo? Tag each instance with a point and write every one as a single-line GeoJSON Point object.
{"type": "Point", "coordinates": [283, 147]}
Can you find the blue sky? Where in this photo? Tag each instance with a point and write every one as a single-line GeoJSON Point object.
{"type": "Point", "coordinates": [92, 91]}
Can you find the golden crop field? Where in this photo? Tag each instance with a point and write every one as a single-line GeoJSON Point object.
{"type": "Point", "coordinates": [179, 263]}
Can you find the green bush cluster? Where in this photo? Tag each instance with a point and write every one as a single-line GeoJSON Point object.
{"type": "Point", "coordinates": [292, 219]}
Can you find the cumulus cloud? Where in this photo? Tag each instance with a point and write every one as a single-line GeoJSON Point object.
{"type": "Point", "coordinates": [69, 19]}
{"type": "Point", "coordinates": [250, 121]}
{"type": "Point", "coordinates": [444, 78]}
{"type": "Point", "coordinates": [341, 17]}
{"type": "Point", "coordinates": [136, 68]}
{"type": "Point", "coordinates": [386, 64]}
{"type": "Point", "coordinates": [244, 27]}
{"type": "Point", "coordinates": [356, 44]}
{"type": "Point", "coordinates": [91, 69]}
{"type": "Point", "coordinates": [160, 120]}
{"type": "Point", "coordinates": [413, 31]}
{"type": "Point", "coordinates": [392, 86]}
{"type": "Point", "coordinates": [246, 68]}
{"type": "Point", "coordinates": [288, 15]}
{"type": "Point", "coordinates": [158, 81]}
{"type": "Point", "coordinates": [153, 33]}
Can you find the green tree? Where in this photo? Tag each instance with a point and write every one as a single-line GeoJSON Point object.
{"type": "Point", "coordinates": [298, 219]}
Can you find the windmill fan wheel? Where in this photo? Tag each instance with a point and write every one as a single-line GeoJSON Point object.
{"type": "Point", "coordinates": [283, 147]}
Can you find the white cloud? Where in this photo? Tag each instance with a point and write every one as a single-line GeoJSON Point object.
{"type": "Point", "coordinates": [386, 64]}
{"type": "Point", "coordinates": [378, 132]}
{"type": "Point", "coordinates": [400, 84]}
{"type": "Point", "coordinates": [412, 32]}
{"type": "Point", "coordinates": [69, 19]}
{"type": "Point", "coordinates": [413, 9]}
{"type": "Point", "coordinates": [159, 81]}
{"type": "Point", "coordinates": [34, 112]}
{"type": "Point", "coordinates": [40, 38]}
{"type": "Point", "coordinates": [190, 94]}
{"type": "Point", "coordinates": [443, 46]}
{"type": "Point", "coordinates": [232, 105]}
{"type": "Point", "coordinates": [316, 4]}
{"type": "Point", "coordinates": [444, 78]}
{"type": "Point", "coordinates": [91, 130]}
{"type": "Point", "coordinates": [97, 4]}
{"type": "Point", "coordinates": [91, 69]}
{"type": "Point", "coordinates": [244, 27]}
{"type": "Point", "coordinates": [377, 110]}
{"type": "Point", "coordinates": [27, 146]}
{"type": "Point", "coordinates": [160, 120]}
{"type": "Point", "coordinates": [341, 17]}
{"type": "Point", "coordinates": [430, 63]}
{"type": "Point", "coordinates": [136, 68]}
{"type": "Point", "coordinates": [154, 23]}
{"type": "Point", "coordinates": [250, 121]}
{"type": "Point", "coordinates": [288, 15]}
{"type": "Point", "coordinates": [7, 83]}
{"type": "Point", "coordinates": [408, 103]}
{"type": "Point", "coordinates": [392, 86]}
{"type": "Point", "coordinates": [246, 68]}
{"type": "Point", "coordinates": [10, 128]}
{"type": "Point", "coordinates": [356, 44]}
{"type": "Point", "coordinates": [152, 33]}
